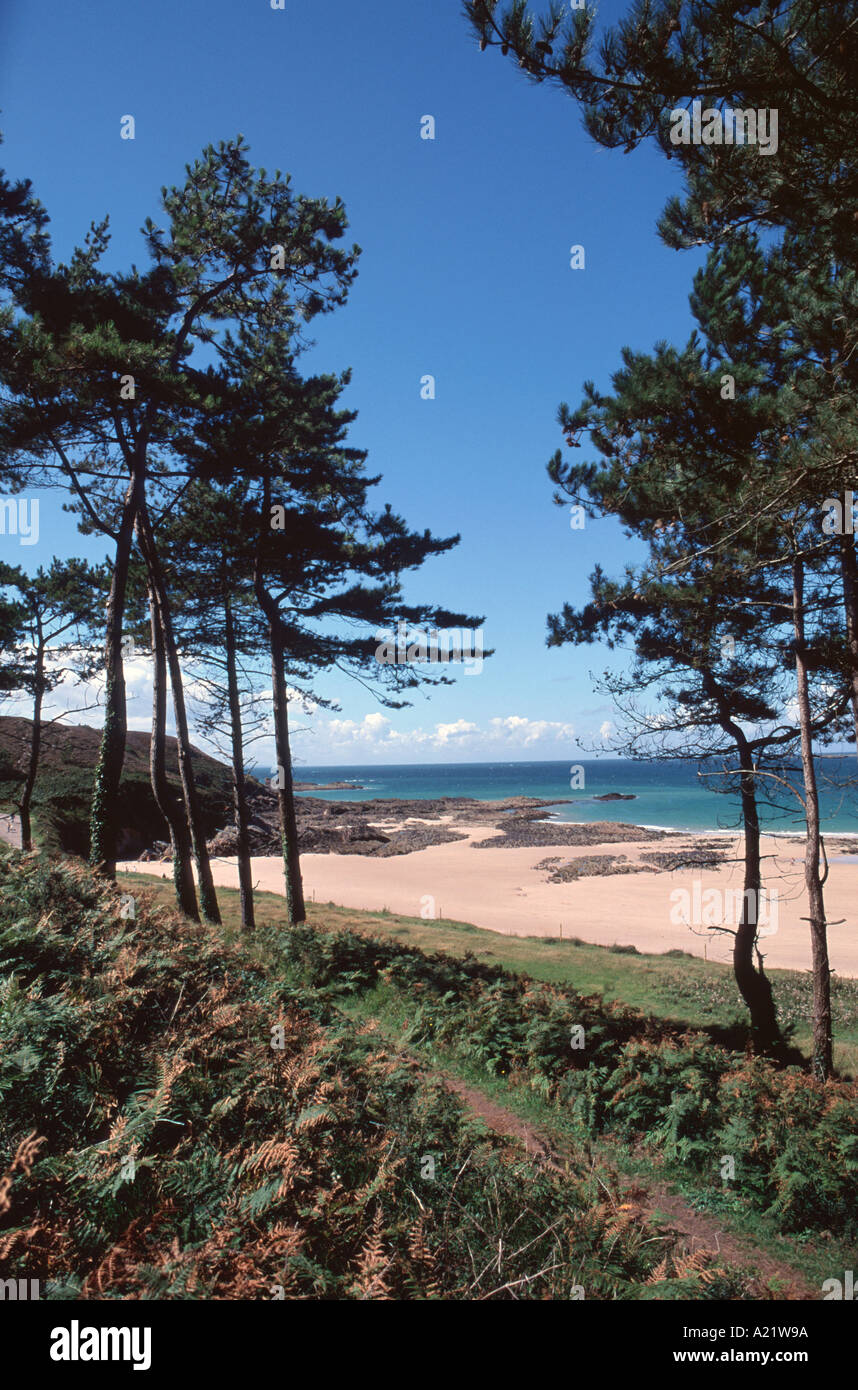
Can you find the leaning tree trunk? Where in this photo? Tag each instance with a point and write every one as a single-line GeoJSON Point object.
{"type": "Point", "coordinates": [208, 897]}
{"type": "Point", "coordinates": [173, 813]}
{"type": "Point", "coordinates": [104, 811]}
{"type": "Point", "coordinates": [849, 576]}
{"type": "Point", "coordinates": [822, 1044]}
{"type": "Point", "coordinates": [35, 743]}
{"type": "Point", "coordinates": [245, 873]}
{"type": "Point", "coordinates": [295, 908]}
{"type": "Point", "coordinates": [754, 985]}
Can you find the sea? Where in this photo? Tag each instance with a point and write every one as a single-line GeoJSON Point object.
{"type": "Point", "coordinates": [669, 795]}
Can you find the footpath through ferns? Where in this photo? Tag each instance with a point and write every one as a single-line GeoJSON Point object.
{"type": "Point", "coordinates": [186, 1116]}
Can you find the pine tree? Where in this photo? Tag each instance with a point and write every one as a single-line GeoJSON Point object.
{"type": "Point", "coordinates": [207, 548]}
{"type": "Point", "coordinates": [326, 569]}
{"type": "Point", "coordinates": [697, 650]}
{"type": "Point", "coordinates": [58, 613]}
{"type": "Point", "coordinates": [796, 58]}
{"type": "Point", "coordinates": [705, 473]}
{"type": "Point", "coordinates": [102, 379]}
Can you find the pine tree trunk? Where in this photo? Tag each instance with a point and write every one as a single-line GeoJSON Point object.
{"type": "Point", "coordinates": [849, 575]}
{"type": "Point", "coordinates": [295, 909]}
{"type": "Point", "coordinates": [104, 811]}
{"type": "Point", "coordinates": [25, 827]}
{"type": "Point", "coordinates": [183, 878]}
{"type": "Point", "coordinates": [822, 1043]}
{"type": "Point", "coordinates": [754, 986]}
{"type": "Point", "coordinates": [208, 897]}
{"type": "Point", "coordinates": [245, 873]}
{"type": "Point", "coordinates": [35, 743]}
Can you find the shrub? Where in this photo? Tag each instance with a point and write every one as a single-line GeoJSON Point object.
{"type": "Point", "coordinates": [794, 1141]}
{"type": "Point", "coordinates": [162, 1148]}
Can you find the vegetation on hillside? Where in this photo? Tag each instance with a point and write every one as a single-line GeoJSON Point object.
{"type": "Point", "coordinates": [160, 1146]}
{"type": "Point", "coordinates": [794, 1142]}
{"type": "Point", "coordinates": [63, 789]}
{"type": "Point", "coordinates": [201, 1118]}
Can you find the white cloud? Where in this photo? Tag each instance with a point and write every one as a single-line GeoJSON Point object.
{"type": "Point", "coordinates": [318, 737]}
{"type": "Point", "coordinates": [518, 731]}
{"type": "Point", "coordinates": [376, 736]}
{"type": "Point", "coordinates": [446, 733]}
{"type": "Point", "coordinates": [376, 722]}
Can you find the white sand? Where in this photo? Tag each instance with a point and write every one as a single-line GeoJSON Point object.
{"type": "Point", "coordinates": [501, 889]}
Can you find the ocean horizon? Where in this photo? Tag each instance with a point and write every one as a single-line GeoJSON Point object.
{"type": "Point", "coordinates": [666, 795]}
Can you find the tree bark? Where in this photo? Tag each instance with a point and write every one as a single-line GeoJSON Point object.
{"type": "Point", "coordinates": [104, 812]}
{"type": "Point", "coordinates": [849, 575]}
{"type": "Point", "coordinates": [754, 985]}
{"type": "Point", "coordinates": [35, 741]}
{"type": "Point", "coordinates": [295, 907]}
{"type": "Point", "coordinates": [751, 979]}
{"type": "Point", "coordinates": [208, 897]}
{"type": "Point", "coordinates": [822, 1043]}
{"type": "Point", "coordinates": [173, 813]}
{"type": "Point", "coordinates": [245, 873]}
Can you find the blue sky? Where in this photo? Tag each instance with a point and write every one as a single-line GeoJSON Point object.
{"type": "Point", "coordinates": [465, 275]}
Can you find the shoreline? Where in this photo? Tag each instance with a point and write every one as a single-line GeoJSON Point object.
{"type": "Point", "coordinates": [619, 898]}
{"type": "Point", "coordinates": [734, 834]}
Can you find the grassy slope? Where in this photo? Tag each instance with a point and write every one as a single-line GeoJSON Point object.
{"type": "Point", "coordinates": [684, 988]}
{"type": "Point", "coordinates": [162, 1147]}
{"type": "Point", "coordinates": [687, 991]}
{"type": "Point", "coordinates": [804, 1261]}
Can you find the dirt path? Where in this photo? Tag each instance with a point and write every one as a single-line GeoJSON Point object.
{"type": "Point", "coordinates": [656, 1201]}
{"type": "Point", "coordinates": [10, 831]}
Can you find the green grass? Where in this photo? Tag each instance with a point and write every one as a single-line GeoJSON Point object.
{"type": "Point", "coordinates": [678, 987]}
{"type": "Point", "coordinates": [349, 988]}
{"type": "Point", "coordinates": [158, 1140]}
{"type": "Point", "coordinates": [813, 1259]}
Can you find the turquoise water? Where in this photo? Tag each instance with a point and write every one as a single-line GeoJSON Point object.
{"type": "Point", "coordinates": [668, 795]}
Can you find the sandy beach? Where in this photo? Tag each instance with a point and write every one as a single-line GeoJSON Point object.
{"type": "Point", "coordinates": [504, 890]}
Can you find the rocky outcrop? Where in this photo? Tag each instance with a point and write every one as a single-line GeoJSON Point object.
{"type": "Point", "coordinates": [524, 834]}
{"type": "Point", "coordinates": [383, 828]}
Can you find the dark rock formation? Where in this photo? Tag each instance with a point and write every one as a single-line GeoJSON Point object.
{"type": "Point", "coordinates": [590, 865]}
